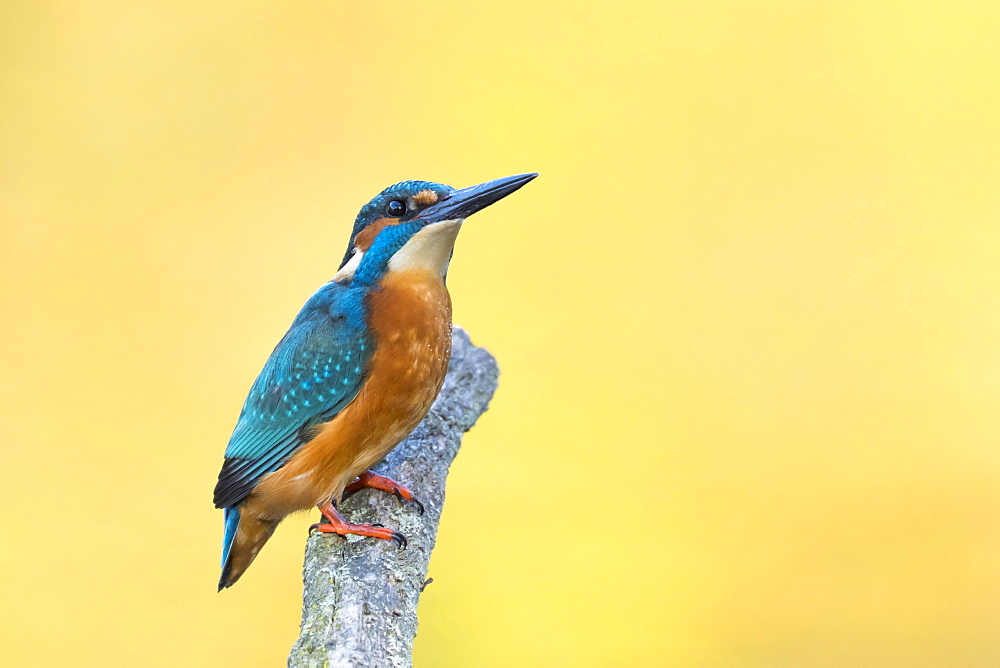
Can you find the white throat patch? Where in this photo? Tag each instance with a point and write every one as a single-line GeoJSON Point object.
{"type": "Point", "coordinates": [429, 249]}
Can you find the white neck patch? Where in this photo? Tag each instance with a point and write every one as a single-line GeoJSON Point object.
{"type": "Point", "coordinates": [347, 271]}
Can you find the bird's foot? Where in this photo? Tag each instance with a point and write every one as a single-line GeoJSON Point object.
{"type": "Point", "coordinates": [338, 524]}
{"type": "Point", "coordinates": [380, 482]}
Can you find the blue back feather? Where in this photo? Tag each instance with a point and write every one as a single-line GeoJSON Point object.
{"type": "Point", "coordinates": [316, 370]}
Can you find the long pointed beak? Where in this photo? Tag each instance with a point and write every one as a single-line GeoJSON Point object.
{"type": "Point", "coordinates": [465, 202]}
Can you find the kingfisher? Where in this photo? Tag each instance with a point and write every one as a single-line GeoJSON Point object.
{"type": "Point", "coordinates": [356, 372]}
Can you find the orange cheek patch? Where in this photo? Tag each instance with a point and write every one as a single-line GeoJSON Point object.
{"type": "Point", "coordinates": [365, 237]}
{"type": "Point", "coordinates": [425, 198]}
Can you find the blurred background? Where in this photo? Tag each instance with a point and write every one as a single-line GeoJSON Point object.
{"type": "Point", "coordinates": [747, 318]}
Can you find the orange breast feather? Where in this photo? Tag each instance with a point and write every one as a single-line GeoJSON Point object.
{"type": "Point", "coordinates": [410, 318]}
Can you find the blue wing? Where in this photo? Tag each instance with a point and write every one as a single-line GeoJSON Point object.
{"type": "Point", "coordinates": [316, 370]}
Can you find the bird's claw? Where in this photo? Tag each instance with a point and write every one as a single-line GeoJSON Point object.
{"type": "Point", "coordinates": [393, 535]}
{"type": "Point", "coordinates": [399, 495]}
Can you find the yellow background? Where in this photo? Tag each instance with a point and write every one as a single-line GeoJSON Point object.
{"type": "Point", "coordinates": [747, 317]}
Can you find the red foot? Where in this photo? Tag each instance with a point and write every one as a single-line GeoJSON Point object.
{"type": "Point", "coordinates": [376, 481]}
{"type": "Point", "coordinates": [338, 524]}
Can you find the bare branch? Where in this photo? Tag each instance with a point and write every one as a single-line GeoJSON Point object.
{"type": "Point", "coordinates": [359, 605]}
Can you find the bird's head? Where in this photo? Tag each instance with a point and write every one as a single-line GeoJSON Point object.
{"type": "Point", "coordinates": [413, 225]}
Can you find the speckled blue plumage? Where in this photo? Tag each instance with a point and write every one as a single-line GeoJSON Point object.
{"type": "Point", "coordinates": [316, 370]}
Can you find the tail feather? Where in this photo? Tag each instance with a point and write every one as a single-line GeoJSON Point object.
{"type": "Point", "coordinates": [241, 541]}
{"type": "Point", "coordinates": [231, 521]}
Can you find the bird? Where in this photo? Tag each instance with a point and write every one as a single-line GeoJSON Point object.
{"type": "Point", "coordinates": [357, 371]}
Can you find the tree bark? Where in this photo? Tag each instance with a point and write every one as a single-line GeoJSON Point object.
{"type": "Point", "coordinates": [359, 605]}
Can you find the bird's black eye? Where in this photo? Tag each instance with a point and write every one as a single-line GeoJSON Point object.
{"type": "Point", "coordinates": [395, 208]}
